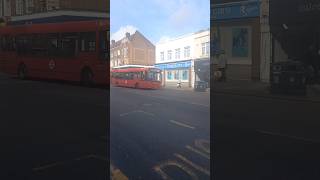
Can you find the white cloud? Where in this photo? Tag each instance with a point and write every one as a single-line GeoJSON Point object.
{"type": "Point", "coordinates": [182, 16]}
{"type": "Point", "coordinates": [122, 32]}
{"type": "Point", "coordinates": [164, 39]}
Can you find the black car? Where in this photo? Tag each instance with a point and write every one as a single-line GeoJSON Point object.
{"type": "Point", "coordinates": [288, 77]}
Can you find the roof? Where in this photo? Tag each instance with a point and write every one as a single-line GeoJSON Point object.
{"type": "Point", "coordinates": [185, 35]}
{"type": "Point", "coordinates": [132, 66]}
{"type": "Point", "coordinates": [130, 38]}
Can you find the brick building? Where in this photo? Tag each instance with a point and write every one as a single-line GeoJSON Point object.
{"type": "Point", "coordinates": [24, 7]}
{"type": "Point", "coordinates": [133, 49]}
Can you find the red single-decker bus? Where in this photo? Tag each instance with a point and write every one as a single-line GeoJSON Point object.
{"type": "Point", "coordinates": [72, 51]}
{"type": "Point", "coordinates": [136, 76]}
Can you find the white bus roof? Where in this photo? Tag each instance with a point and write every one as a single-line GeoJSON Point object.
{"type": "Point", "coordinates": [133, 66]}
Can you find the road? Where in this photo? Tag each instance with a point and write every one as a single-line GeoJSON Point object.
{"type": "Point", "coordinates": [264, 138]}
{"type": "Point", "coordinates": [156, 134]}
{"type": "Point", "coordinates": [52, 130]}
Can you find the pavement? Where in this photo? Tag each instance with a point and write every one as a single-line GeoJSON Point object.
{"type": "Point", "coordinates": [262, 136]}
{"type": "Point", "coordinates": [261, 89]}
{"type": "Point", "coordinates": [52, 130]}
{"type": "Point", "coordinates": [160, 134]}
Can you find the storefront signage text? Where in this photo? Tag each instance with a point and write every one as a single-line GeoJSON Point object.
{"type": "Point", "coordinates": [236, 10]}
{"type": "Point", "coordinates": [309, 6]}
{"type": "Point", "coordinates": [184, 64]}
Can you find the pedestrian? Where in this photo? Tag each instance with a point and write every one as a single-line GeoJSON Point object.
{"type": "Point", "coordinates": [179, 84]}
{"type": "Point", "coordinates": [222, 65]}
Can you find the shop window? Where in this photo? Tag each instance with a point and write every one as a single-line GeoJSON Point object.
{"type": "Point", "coordinates": [240, 42]}
{"type": "Point", "coordinates": [185, 75]}
{"type": "Point", "coordinates": [176, 75]}
{"type": "Point", "coordinates": [169, 75]}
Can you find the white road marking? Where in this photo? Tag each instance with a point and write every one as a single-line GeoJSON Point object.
{"type": "Point", "coordinates": [200, 144]}
{"type": "Point", "coordinates": [137, 111]}
{"type": "Point", "coordinates": [287, 136]}
{"type": "Point", "coordinates": [159, 169]}
{"type": "Point", "coordinates": [40, 168]}
{"type": "Point", "coordinates": [198, 152]}
{"type": "Point", "coordinates": [181, 124]}
{"type": "Point", "coordinates": [185, 102]}
{"type": "Point", "coordinates": [197, 167]}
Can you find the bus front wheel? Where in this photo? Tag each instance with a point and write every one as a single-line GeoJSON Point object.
{"type": "Point", "coordinates": [87, 77]}
{"type": "Point", "coordinates": [22, 71]}
{"type": "Point", "coordinates": [136, 86]}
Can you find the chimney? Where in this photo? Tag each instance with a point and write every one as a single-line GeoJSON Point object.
{"type": "Point", "coordinates": [127, 34]}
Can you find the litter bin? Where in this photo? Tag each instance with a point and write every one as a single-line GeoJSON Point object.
{"type": "Point", "coordinates": [288, 77]}
{"type": "Point", "coordinates": [200, 86]}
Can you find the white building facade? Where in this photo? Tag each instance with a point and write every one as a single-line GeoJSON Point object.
{"type": "Point", "coordinates": [177, 58]}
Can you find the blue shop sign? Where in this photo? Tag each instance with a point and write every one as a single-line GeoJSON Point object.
{"type": "Point", "coordinates": [176, 65]}
{"type": "Point", "coordinates": [236, 10]}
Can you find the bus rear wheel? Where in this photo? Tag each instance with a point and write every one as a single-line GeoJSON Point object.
{"type": "Point", "coordinates": [87, 77]}
{"type": "Point", "coordinates": [22, 72]}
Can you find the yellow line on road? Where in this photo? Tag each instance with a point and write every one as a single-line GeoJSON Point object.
{"type": "Point", "coordinates": [116, 174]}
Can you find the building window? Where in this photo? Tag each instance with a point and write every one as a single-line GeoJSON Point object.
{"type": "Point", "coordinates": [169, 75]}
{"type": "Point", "coordinates": [119, 52]}
{"type": "Point", "coordinates": [205, 48]}
{"type": "Point", "coordinates": [185, 75]}
{"type": "Point", "coordinates": [162, 56]}
{"type": "Point", "coordinates": [111, 55]}
{"type": "Point", "coordinates": [187, 51]}
{"type": "Point", "coordinates": [169, 55]}
{"type": "Point", "coordinates": [177, 53]}
{"type": "Point", "coordinates": [125, 52]}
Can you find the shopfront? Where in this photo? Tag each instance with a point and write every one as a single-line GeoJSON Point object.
{"type": "Point", "coordinates": [297, 30]}
{"type": "Point", "coordinates": [237, 26]}
{"type": "Point", "coordinates": [202, 70]}
{"type": "Point", "coordinates": [175, 72]}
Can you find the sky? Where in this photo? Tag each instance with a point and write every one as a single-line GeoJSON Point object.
{"type": "Point", "coordinates": [158, 20]}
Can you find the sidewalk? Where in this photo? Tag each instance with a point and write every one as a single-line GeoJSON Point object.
{"type": "Point", "coordinates": [183, 88]}
{"type": "Point", "coordinates": [260, 89]}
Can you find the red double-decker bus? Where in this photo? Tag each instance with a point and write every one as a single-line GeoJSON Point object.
{"type": "Point", "coordinates": [136, 76]}
{"type": "Point", "coordinates": [72, 51]}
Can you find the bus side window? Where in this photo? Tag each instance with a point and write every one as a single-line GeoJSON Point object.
{"type": "Point", "coordinates": [39, 45]}
{"type": "Point", "coordinates": [23, 45]}
{"type": "Point", "coordinates": [87, 42]}
{"type": "Point", "coordinates": [9, 43]}
{"type": "Point", "coordinates": [143, 75]}
{"type": "Point", "coordinates": [68, 44]}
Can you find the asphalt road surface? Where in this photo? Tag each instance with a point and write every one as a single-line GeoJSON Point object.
{"type": "Point", "coordinates": [52, 130]}
{"type": "Point", "coordinates": [263, 138]}
{"type": "Point", "coordinates": [159, 134]}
